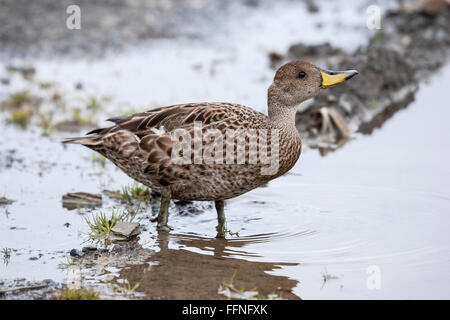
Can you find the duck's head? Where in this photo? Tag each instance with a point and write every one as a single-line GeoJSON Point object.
{"type": "Point", "coordinates": [298, 81]}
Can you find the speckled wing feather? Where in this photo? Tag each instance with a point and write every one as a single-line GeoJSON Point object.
{"type": "Point", "coordinates": [182, 116]}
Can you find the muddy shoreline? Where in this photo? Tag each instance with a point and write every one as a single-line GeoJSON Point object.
{"type": "Point", "coordinates": [297, 238]}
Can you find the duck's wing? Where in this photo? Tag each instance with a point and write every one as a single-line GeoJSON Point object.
{"type": "Point", "coordinates": [171, 117]}
{"type": "Point", "coordinates": [174, 117]}
{"type": "Point", "coordinates": [147, 135]}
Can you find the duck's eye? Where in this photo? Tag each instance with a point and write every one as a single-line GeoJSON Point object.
{"type": "Point", "coordinates": [301, 74]}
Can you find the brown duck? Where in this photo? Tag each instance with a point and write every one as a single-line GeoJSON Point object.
{"type": "Point", "coordinates": [213, 151]}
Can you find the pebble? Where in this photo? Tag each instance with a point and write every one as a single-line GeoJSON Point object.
{"type": "Point", "coordinates": [76, 253]}
{"type": "Point", "coordinates": [126, 229]}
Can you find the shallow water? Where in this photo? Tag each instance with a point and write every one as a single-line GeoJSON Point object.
{"type": "Point", "coordinates": [382, 200]}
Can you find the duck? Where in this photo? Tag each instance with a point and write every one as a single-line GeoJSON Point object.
{"type": "Point", "coordinates": [213, 151]}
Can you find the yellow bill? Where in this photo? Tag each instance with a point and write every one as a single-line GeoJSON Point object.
{"type": "Point", "coordinates": [331, 78]}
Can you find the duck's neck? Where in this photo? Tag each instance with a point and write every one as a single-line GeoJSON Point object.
{"type": "Point", "coordinates": [281, 116]}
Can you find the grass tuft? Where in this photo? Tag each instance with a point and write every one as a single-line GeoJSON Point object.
{"type": "Point", "coordinates": [45, 85]}
{"type": "Point", "coordinates": [125, 287]}
{"type": "Point", "coordinates": [326, 277]}
{"type": "Point", "coordinates": [6, 252]}
{"type": "Point", "coordinates": [78, 294]}
{"type": "Point", "coordinates": [21, 116]}
{"type": "Point", "coordinates": [98, 158]}
{"type": "Point", "coordinates": [132, 192]}
{"type": "Point", "coordinates": [93, 103]}
{"type": "Point", "coordinates": [224, 231]}
{"type": "Point", "coordinates": [69, 262]}
{"type": "Point", "coordinates": [19, 98]}
{"type": "Point", "coordinates": [45, 123]}
{"type": "Point", "coordinates": [81, 120]}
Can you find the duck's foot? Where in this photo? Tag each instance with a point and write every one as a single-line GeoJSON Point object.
{"type": "Point", "coordinates": [164, 227]}
{"type": "Point", "coordinates": [163, 215]}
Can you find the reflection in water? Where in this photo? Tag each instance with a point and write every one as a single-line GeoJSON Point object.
{"type": "Point", "coordinates": [182, 274]}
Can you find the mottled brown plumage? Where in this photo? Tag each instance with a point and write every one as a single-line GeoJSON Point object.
{"type": "Point", "coordinates": [142, 144]}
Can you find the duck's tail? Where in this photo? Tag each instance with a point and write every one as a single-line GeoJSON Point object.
{"type": "Point", "coordinates": [93, 137]}
{"type": "Point", "coordinates": [86, 141]}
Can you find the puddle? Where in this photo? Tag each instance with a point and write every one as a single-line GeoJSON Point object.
{"type": "Point", "coordinates": [381, 201]}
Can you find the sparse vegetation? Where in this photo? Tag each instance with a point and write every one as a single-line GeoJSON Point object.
{"type": "Point", "coordinates": [44, 105]}
{"type": "Point", "coordinates": [81, 119]}
{"type": "Point", "coordinates": [224, 231]}
{"type": "Point", "coordinates": [46, 124]}
{"type": "Point", "coordinates": [98, 159]}
{"type": "Point", "coordinates": [69, 262]}
{"type": "Point", "coordinates": [100, 225]}
{"type": "Point", "coordinates": [93, 103]}
{"type": "Point", "coordinates": [78, 294]}
{"type": "Point", "coordinates": [19, 98]}
{"type": "Point", "coordinates": [6, 252]}
{"type": "Point", "coordinates": [19, 106]}
{"type": "Point", "coordinates": [132, 192]}
{"type": "Point", "coordinates": [123, 286]}
{"type": "Point", "coordinates": [45, 84]}
{"type": "Point", "coordinates": [380, 36]}
{"type": "Point", "coordinates": [326, 276]}
{"type": "Point", "coordinates": [21, 116]}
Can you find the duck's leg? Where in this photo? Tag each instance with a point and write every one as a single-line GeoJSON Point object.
{"type": "Point", "coordinates": [221, 221]}
{"type": "Point", "coordinates": [163, 215]}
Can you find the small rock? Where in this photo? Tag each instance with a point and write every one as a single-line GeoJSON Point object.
{"type": "Point", "coordinates": [76, 253]}
{"type": "Point", "coordinates": [77, 200]}
{"type": "Point", "coordinates": [113, 238]}
{"type": "Point", "coordinates": [50, 282]}
{"type": "Point", "coordinates": [88, 249]}
{"type": "Point", "coordinates": [126, 229]}
{"type": "Point", "coordinates": [312, 6]}
{"type": "Point", "coordinates": [5, 201]}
